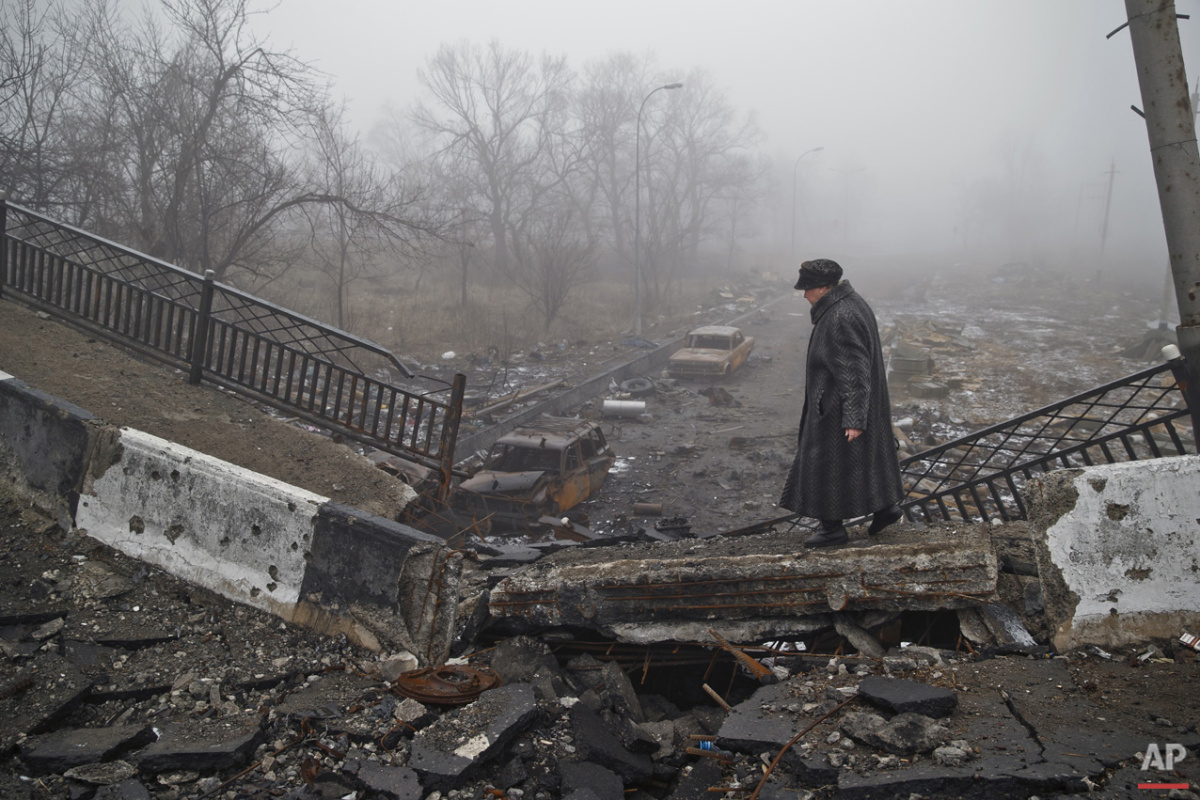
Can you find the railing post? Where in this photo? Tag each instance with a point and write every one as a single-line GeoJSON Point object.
{"type": "Point", "coordinates": [199, 342]}
{"type": "Point", "coordinates": [3, 241]}
{"type": "Point", "coordinates": [1191, 392]}
{"type": "Point", "coordinates": [450, 436]}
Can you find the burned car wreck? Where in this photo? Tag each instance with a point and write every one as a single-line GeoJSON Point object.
{"type": "Point", "coordinates": [544, 468]}
{"type": "Point", "coordinates": [711, 351]}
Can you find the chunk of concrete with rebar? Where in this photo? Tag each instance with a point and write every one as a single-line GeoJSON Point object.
{"type": "Point", "coordinates": [747, 587]}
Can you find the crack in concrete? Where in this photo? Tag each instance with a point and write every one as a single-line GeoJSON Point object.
{"type": "Point", "coordinates": [1019, 717]}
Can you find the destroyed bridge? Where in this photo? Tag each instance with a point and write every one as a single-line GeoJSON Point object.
{"type": "Point", "coordinates": [1081, 479]}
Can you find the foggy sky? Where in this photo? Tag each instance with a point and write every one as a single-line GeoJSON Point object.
{"type": "Point", "coordinates": [914, 103]}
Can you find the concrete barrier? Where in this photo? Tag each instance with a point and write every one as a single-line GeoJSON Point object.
{"type": "Point", "coordinates": [43, 447]}
{"type": "Point", "coordinates": [1120, 555]}
{"type": "Point", "coordinates": [241, 534]}
{"type": "Point", "coordinates": [238, 533]}
{"type": "Point", "coordinates": [389, 578]}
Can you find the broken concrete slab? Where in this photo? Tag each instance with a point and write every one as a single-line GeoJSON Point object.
{"type": "Point", "coordinates": [1005, 626]}
{"type": "Point", "coordinates": [97, 581]}
{"type": "Point", "coordinates": [904, 696]}
{"type": "Point", "coordinates": [596, 742]}
{"type": "Point", "coordinates": [864, 643]}
{"type": "Point", "coordinates": [1002, 777]}
{"type": "Point", "coordinates": [325, 697]}
{"type": "Point", "coordinates": [107, 773]}
{"type": "Point", "coordinates": [621, 693]}
{"type": "Point", "coordinates": [63, 749]}
{"type": "Point", "coordinates": [214, 743]}
{"type": "Point", "coordinates": [44, 446]}
{"type": "Point", "coordinates": [1120, 551]}
{"type": "Point", "coordinates": [472, 735]}
{"type": "Point", "coordinates": [394, 783]}
{"type": "Point", "coordinates": [379, 580]}
{"type": "Point", "coordinates": [605, 783]}
{"type": "Point", "coordinates": [747, 587]}
{"type": "Point", "coordinates": [695, 779]}
{"type": "Point", "coordinates": [766, 721]}
{"type": "Point", "coordinates": [905, 734]}
{"type": "Point", "coordinates": [46, 688]}
{"type": "Point", "coordinates": [125, 790]}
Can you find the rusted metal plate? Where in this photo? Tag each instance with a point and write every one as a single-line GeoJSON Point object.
{"type": "Point", "coordinates": [447, 685]}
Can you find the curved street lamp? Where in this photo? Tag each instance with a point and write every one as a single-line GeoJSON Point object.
{"type": "Point", "coordinates": [637, 206]}
{"type": "Point", "coordinates": [802, 155]}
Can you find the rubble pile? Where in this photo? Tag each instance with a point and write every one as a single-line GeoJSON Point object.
{"type": "Point", "coordinates": [120, 682]}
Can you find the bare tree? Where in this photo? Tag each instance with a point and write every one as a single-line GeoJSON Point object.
{"type": "Point", "coordinates": [182, 135]}
{"type": "Point", "coordinates": [606, 106]}
{"type": "Point", "coordinates": [697, 157]}
{"type": "Point", "coordinates": [39, 70]}
{"type": "Point", "coordinates": [496, 115]}
{"type": "Point", "coordinates": [344, 244]}
{"type": "Point", "coordinates": [556, 259]}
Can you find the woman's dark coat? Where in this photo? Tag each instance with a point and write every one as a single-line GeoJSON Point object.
{"type": "Point", "coordinates": [845, 387]}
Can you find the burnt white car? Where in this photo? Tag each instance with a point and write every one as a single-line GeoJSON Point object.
{"type": "Point", "coordinates": [711, 351]}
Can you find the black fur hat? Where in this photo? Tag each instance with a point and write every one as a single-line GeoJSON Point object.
{"type": "Point", "coordinates": [817, 273]}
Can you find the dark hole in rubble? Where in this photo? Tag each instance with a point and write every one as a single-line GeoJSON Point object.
{"type": "Point", "coordinates": [679, 671]}
{"type": "Point", "coordinates": [930, 628]}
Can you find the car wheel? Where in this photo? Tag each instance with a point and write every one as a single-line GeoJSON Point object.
{"type": "Point", "coordinates": [638, 387]}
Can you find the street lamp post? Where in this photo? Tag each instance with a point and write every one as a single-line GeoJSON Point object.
{"type": "Point", "coordinates": [637, 207]}
{"type": "Point", "coordinates": [794, 166]}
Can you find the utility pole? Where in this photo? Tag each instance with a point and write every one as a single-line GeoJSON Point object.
{"type": "Point", "coordinates": [1171, 128]}
{"type": "Point", "coordinates": [1112, 173]}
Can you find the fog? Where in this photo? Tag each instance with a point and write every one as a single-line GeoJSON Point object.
{"type": "Point", "coordinates": [932, 116]}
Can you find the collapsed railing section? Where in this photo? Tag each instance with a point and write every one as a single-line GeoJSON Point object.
{"type": "Point", "coordinates": [980, 476]}
{"type": "Point", "coordinates": [295, 364]}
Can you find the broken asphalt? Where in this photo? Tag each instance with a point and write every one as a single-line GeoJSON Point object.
{"type": "Point", "coordinates": [120, 682]}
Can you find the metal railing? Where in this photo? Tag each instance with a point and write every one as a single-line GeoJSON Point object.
{"type": "Point", "coordinates": [290, 362]}
{"type": "Point", "coordinates": [980, 476]}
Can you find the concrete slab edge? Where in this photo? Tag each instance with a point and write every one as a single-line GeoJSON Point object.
{"type": "Point", "coordinates": [43, 447]}
{"type": "Point", "coordinates": [246, 536]}
{"type": "Point", "coordinates": [1120, 555]}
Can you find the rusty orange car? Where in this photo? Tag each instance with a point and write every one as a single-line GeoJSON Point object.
{"type": "Point", "coordinates": [544, 468]}
{"type": "Point", "coordinates": [711, 351]}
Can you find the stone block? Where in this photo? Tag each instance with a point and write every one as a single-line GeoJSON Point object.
{"type": "Point", "coordinates": [469, 736]}
{"type": "Point", "coordinates": [904, 696]}
{"type": "Point", "coordinates": [596, 742]}
{"type": "Point", "coordinates": [604, 782]}
{"type": "Point", "coordinates": [207, 744]}
{"type": "Point", "coordinates": [61, 750]}
{"type": "Point", "coordinates": [48, 687]}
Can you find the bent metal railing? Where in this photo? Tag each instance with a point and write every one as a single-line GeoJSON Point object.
{"type": "Point", "coordinates": [297, 365]}
{"type": "Point", "coordinates": [980, 476]}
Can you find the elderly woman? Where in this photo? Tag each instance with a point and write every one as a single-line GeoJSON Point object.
{"type": "Point", "coordinates": [845, 463]}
